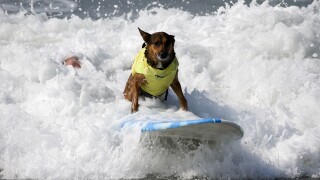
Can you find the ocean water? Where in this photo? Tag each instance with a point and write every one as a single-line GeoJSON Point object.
{"type": "Point", "coordinates": [253, 63]}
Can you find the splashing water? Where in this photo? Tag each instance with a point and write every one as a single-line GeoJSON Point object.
{"type": "Point", "coordinates": [255, 65]}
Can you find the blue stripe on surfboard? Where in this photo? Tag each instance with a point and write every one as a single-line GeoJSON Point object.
{"type": "Point", "coordinates": [154, 125]}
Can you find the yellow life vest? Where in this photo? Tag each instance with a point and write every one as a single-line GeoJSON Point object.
{"type": "Point", "coordinates": [158, 81]}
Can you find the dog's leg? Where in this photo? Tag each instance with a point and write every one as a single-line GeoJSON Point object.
{"type": "Point", "coordinates": [176, 86]}
{"type": "Point", "coordinates": [127, 89]}
{"type": "Point", "coordinates": [136, 82]}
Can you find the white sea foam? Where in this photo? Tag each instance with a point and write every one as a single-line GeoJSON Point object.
{"type": "Point", "coordinates": [257, 66]}
{"type": "Point", "coordinates": [39, 6]}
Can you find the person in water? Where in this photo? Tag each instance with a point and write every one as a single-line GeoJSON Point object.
{"type": "Point", "coordinates": [73, 61]}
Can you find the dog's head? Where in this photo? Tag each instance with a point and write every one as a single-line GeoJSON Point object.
{"type": "Point", "coordinates": [159, 48]}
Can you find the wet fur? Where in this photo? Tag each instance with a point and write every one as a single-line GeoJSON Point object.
{"type": "Point", "coordinates": [158, 45]}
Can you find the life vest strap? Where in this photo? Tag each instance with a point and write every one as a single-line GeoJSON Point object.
{"type": "Point", "coordinates": [163, 97]}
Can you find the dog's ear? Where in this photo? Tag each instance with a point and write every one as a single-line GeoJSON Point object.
{"type": "Point", "coordinates": [172, 38]}
{"type": "Point", "coordinates": [146, 36]}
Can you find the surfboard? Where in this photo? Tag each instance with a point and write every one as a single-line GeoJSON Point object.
{"type": "Point", "coordinates": [207, 129]}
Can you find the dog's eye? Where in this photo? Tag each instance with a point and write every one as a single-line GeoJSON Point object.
{"type": "Point", "coordinates": [157, 43]}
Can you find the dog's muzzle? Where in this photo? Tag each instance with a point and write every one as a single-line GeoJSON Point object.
{"type": "Point", "coordinates": [162, 56]}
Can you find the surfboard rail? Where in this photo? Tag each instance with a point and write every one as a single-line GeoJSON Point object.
{"type": "Point", "coordinates": [159, 125]}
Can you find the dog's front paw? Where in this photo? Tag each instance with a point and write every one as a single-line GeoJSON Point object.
{"type": "Point", "coordinates": [134, 108]}
{"type": "Point", "coordinates": [184, 104]}
{"type": "Point", "coordinates": [184, 108]}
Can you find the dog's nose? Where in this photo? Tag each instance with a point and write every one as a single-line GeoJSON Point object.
{"type": "Point", "coordinates": [163, 55]}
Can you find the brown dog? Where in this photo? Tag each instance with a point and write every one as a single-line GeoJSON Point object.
{"type": "Point", "coordinates": [154, 69]}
